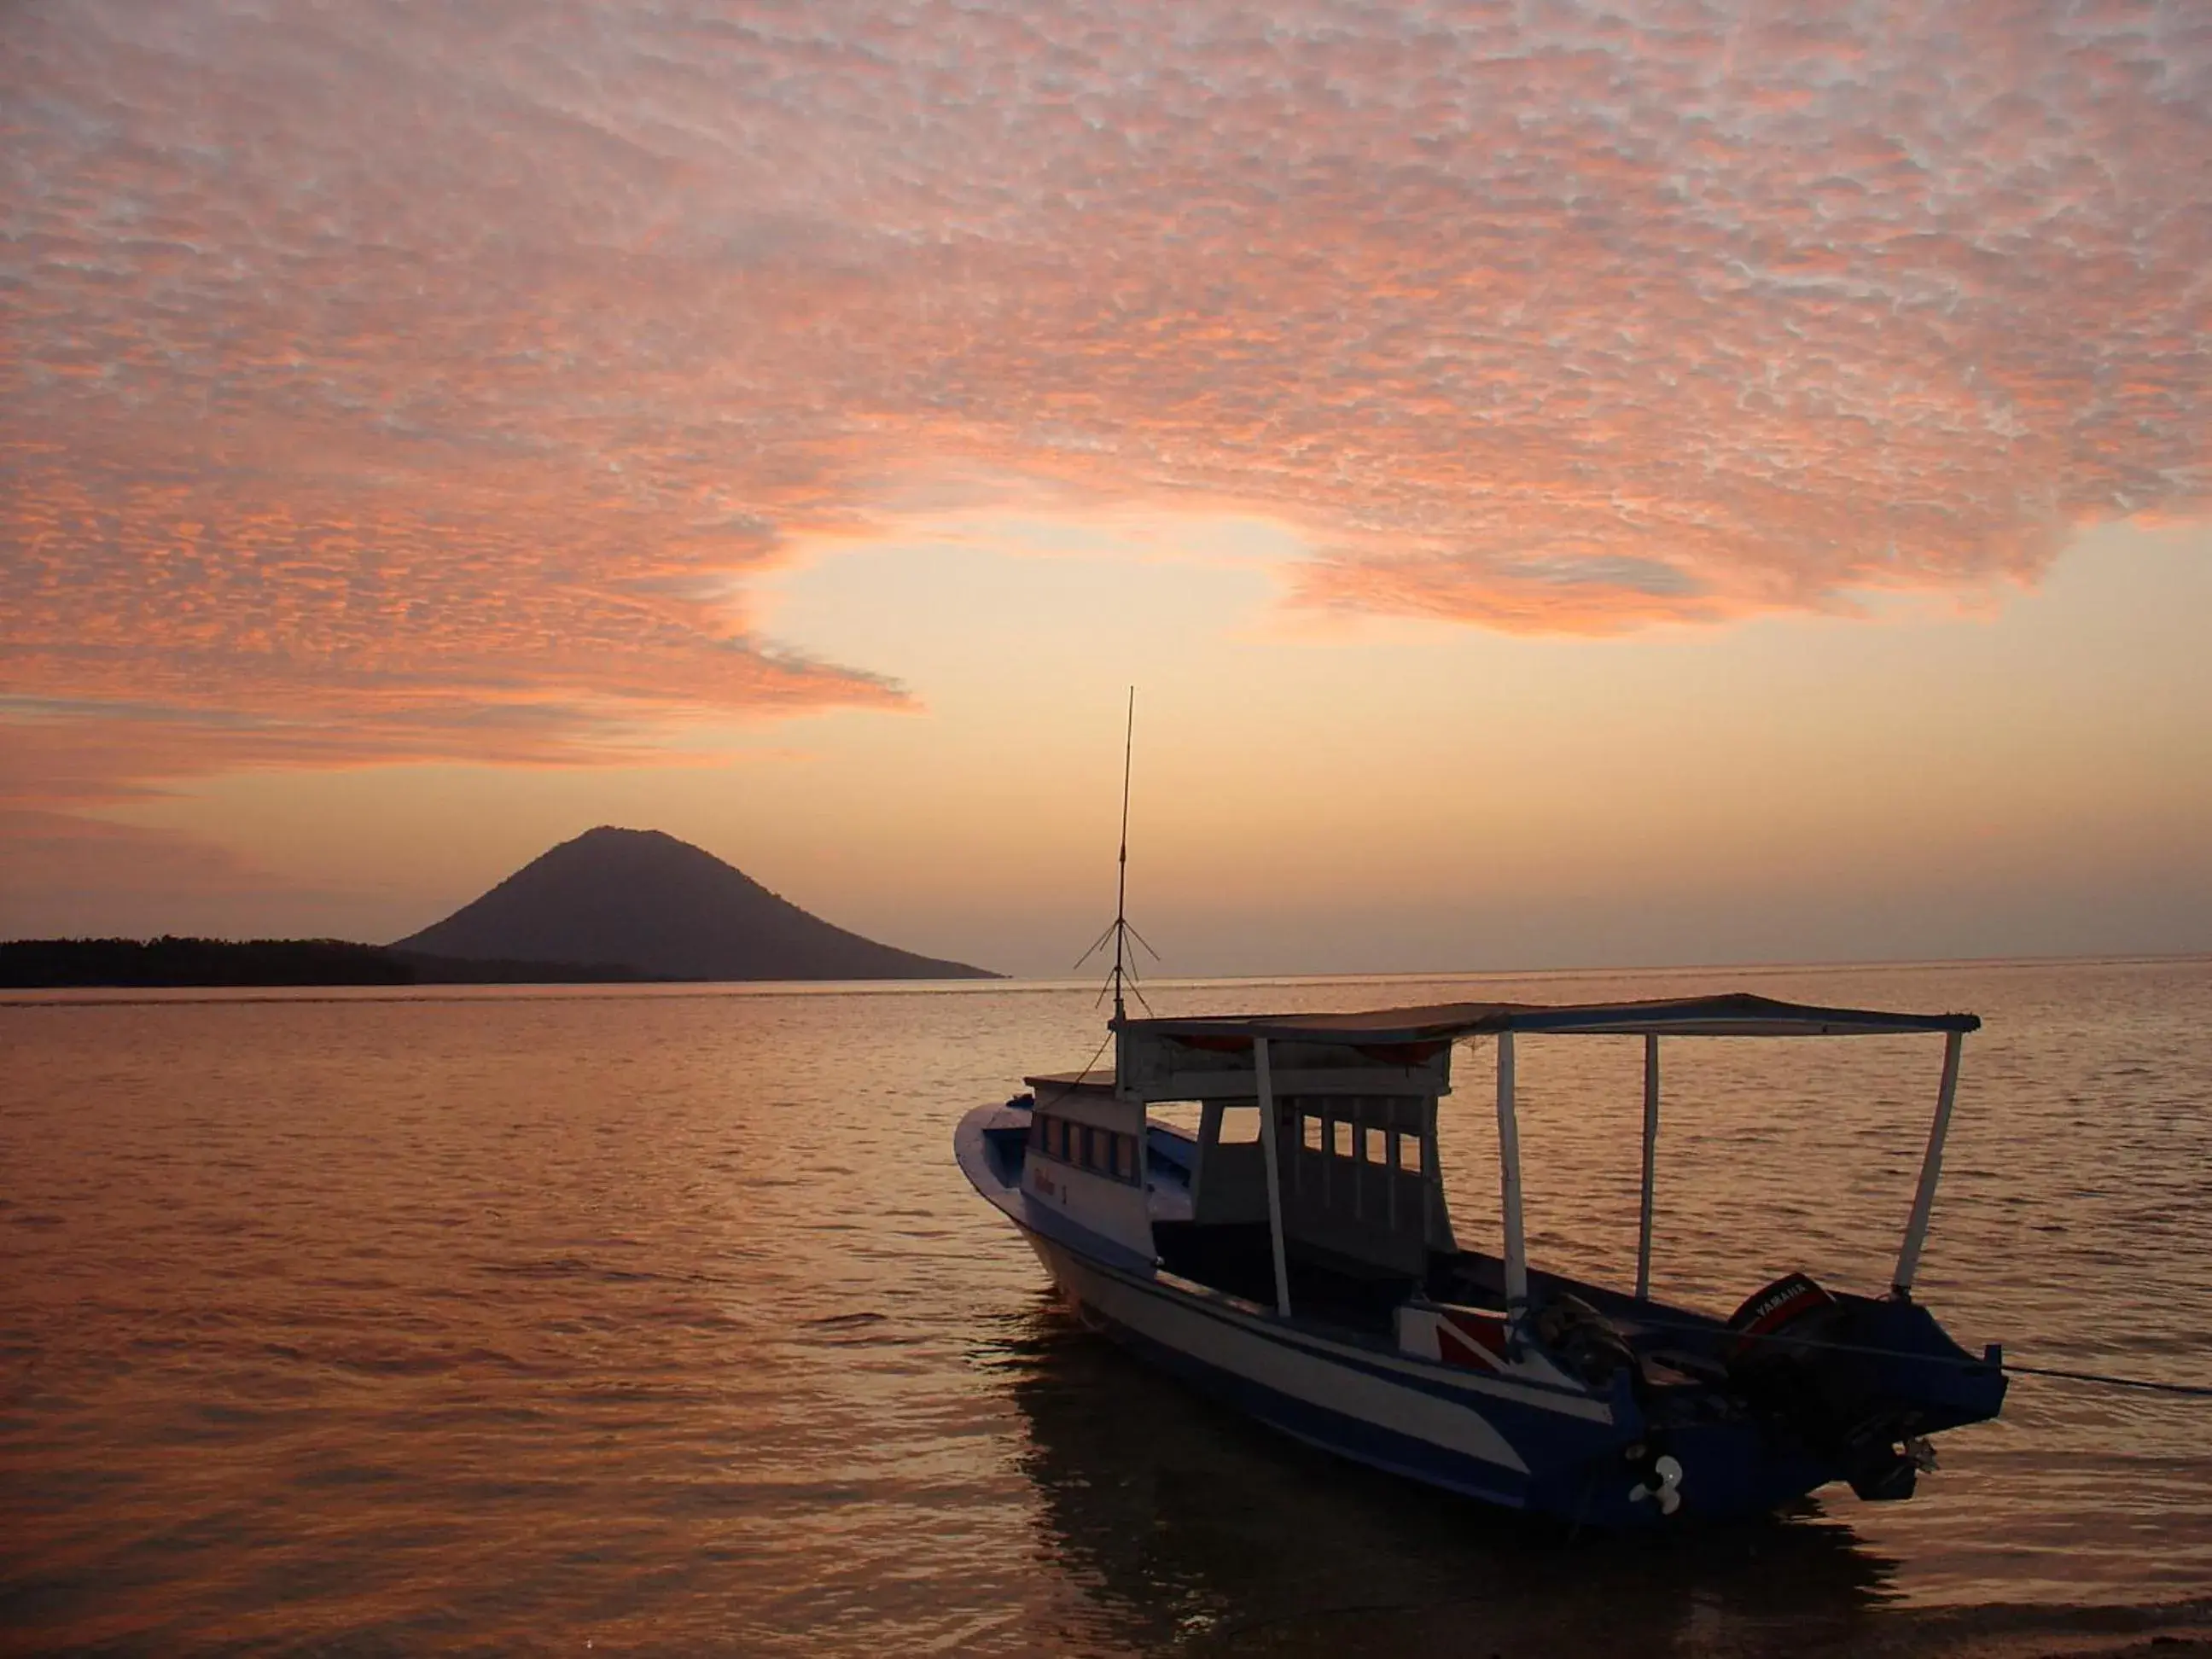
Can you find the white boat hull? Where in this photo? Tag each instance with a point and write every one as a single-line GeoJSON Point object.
{"type": "Point", "coordinates": [1429, 1427]}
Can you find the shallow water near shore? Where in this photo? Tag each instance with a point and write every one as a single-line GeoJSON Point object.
{"type": "Point", "coordinates": [659, 1319]}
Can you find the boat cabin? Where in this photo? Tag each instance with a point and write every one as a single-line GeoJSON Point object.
{"type": "Point", "coordinates": [1312, 1182]}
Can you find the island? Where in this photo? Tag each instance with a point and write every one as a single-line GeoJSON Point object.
{"type": "Point", "coordinates": [610, 905]}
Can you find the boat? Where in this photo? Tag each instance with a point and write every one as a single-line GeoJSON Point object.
{"type": "Point", "coordinates": [1294, 1255]}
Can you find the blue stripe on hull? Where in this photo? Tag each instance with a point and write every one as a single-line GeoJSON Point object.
{"type": "Point", "coordinates": [1525, 1441]}
{"type": "Point", "coordinates": [1331, 1432]}
{"type": "Point", "coordinates": [1577, 1471]}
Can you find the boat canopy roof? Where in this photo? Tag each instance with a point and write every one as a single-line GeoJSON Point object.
{"type": "Point", "coordinates": [1738, 1014]}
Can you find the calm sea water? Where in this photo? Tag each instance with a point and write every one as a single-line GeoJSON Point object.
{"type": "Point", "coordinates": [661, 1321]}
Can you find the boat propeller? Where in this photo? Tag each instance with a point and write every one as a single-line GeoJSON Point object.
{"type": "Point", "coordinates": [1664, 1484]}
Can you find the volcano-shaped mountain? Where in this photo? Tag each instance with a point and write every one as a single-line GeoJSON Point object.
{"type": "Point", "coordinates": [665, 908]}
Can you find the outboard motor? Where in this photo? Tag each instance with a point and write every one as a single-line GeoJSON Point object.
{"type": "Point", "coordinates": [1794, 1299]}
{"type": "Point", "coordinates": [1792, 1357]}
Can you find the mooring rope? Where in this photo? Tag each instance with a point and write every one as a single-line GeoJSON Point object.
{"type": "Point", "coordinates": [1068, 1089]}
{"type": "Point", "coordinates": [2188, 1390]}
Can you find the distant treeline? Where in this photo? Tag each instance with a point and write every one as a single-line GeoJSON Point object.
{"type": "Point", "coordinates": [39, 963]}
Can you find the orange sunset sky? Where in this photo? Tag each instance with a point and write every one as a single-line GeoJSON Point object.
{"type": "Point", "coordinates": [1572, 482]}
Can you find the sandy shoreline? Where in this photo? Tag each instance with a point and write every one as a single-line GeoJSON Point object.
{"type": "Point", "coordinates": [2174, 1632]}
{"type": "Point", "coordinates": [2170, 1631]}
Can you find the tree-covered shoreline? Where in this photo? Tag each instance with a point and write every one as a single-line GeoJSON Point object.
{"type": "Point", "coordinates": [172, 960]}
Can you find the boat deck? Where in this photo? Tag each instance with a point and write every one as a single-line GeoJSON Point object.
{"type": "Point", "coordinates": [1238, 1259]}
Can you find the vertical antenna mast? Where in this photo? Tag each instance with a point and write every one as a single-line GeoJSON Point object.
{"type": "Point", "coordinates": [1121, 872]}
{"type": "Point", "coordinates": [1118, 930]}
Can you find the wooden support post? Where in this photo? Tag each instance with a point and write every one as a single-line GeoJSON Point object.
{"type": "Point", "coordinates": [1428, 1147]}
{"type": "Point", "coordinates": [1269, 1137]}
{"type": "Point", "coordinates": [1358, 1162]}
{"type": "Point", "coordinates": [1651, 1149]}
{"type": "Point", "coordinates": [1509, 1170]}
{"type": "Point", "coordinates": [1390, 1166]}
{"type": "Point", "coordinates": [1931, 1171]}
{"type": "Point", "coordinates": [1209, 1137]}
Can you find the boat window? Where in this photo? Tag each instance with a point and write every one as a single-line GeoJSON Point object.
{"type": "Point", "coordinates": [1409, 1153]}
{"type": "Point", "coordinates": [1312, 1136]}
{"type": "Point", "coordinates": [1125, 1156]}
{"type": "Point", "coordinates": [1056, 1142]}
{"type": "Point", "coordinates": [1343, 1139]}
{"type": "Point", "coordinates": [1240, 1125]}
{"type": "Point", "coordinates": [1089, 1158]}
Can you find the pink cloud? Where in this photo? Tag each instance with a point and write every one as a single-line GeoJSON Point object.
{"type": "Point", "coordinates": [384, 382]}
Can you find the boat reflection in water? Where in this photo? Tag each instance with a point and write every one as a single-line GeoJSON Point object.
{"type": "Point", "coordinates": [1185, 1524]}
